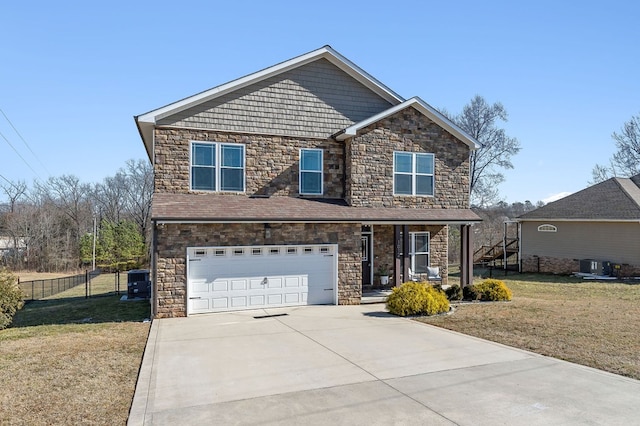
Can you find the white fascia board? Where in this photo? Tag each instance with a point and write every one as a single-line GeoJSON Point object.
{"type": "Point", "coordinates": [325, 52]}
{"type": "Point", "coordinates": [426, 109]}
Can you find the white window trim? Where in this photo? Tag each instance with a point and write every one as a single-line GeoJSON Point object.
{"type": "Point", "coordinates": [300, 171]}
{"type": "Point", "coordinates": [547, 228]}
{"type": "Point", "coordinates": [218, 166]}
{"type": "Point", "coordinates": [414, 173]}
{"type": "Point", "coordinates": [412, 249]}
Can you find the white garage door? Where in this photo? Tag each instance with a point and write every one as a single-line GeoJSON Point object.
{"type": "Point", "coordinates": [252, 277]}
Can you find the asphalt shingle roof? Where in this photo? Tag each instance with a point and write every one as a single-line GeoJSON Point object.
{"type": "Point", "coordinates": [614, 199]}
{"type": "Point", "coordinates": [235, 208]}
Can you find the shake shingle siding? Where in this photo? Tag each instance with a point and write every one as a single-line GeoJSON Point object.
{"type": "Point", "coordinates": [315, 100]}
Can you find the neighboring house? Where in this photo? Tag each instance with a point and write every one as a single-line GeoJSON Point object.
{"type": "Point", "coordinates": [598, 225]}
{"type": "Point", "coordinates": [295, 184]}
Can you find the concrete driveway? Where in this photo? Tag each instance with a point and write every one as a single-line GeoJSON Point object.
{"type": "Point", "coordinates": [359, 365]}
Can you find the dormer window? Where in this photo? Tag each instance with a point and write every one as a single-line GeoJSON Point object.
{"type": "Point", "coordinates": [311, 175]}
{"type": "Point", "coordinates": [413, 173]}
{"type": "Point", "coordinates": [217, 167]}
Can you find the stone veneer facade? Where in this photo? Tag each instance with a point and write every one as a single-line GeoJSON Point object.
{"type": "Point", "coordinates": [272, 169]}
{"type": "Point", "coordinates": [173, 240]}
{"type": "Point", "coordinates": [370, 163]}
{"type": "Point", "coordinates": [272, 162]}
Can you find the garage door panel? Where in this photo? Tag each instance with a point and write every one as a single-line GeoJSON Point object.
{"type": "Point", "coordinates": [220, 285]}
{"type": "Point", "coordinates": [256, 284]}
{"type": "Point", "coordinates": [200, 305]}
{"type": "Point", "coordinates": [257, 300]}
{"type": "Point", "coordinates": [274, 299]}
{"type": "Point", "coordinates": [220, 303]}
{"type": "Point", "coordinates": [274, 282]}
{"type": "Point", "coordinates": [292, 298]}
{"type": "Point", "coordinates": [239, 302]}
{"type": "Point", "coordinates": [232, 278]}
{"type": "Point", "coordinates": [200, 287]}
{"type": "Point", "coordinates": [293, 281]}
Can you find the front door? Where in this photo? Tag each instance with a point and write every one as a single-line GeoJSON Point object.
{"type": "Point", "coordinates": [366, 259]}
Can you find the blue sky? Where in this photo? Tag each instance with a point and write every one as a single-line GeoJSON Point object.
{"type": "Point", "coordinates": [74, 73]}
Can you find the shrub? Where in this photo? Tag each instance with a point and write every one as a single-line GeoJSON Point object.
{"type": "Point", "coordinates": [413, 298]}
{"type": "Point", "coordinates": [469, 293]}
{"type": "Point", "coordinates": [454, 292]}
{"type": "Point", "coordinates": [492, 289]}
{"type": "Point", "coordinates": [10, 297]}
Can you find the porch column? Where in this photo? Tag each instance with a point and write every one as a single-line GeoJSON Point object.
{"type": "Point", "coordinates": [466, 256]}
{"type": "Point", "coordinates": [397, 249]}
{"type": "Point", "coordinates": [406, 258]}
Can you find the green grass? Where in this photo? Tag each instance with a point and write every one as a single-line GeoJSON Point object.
{"type": "Point", "coordinates": [72, 360]}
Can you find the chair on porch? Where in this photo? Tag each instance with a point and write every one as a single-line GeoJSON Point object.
{"type": "Point", "coordinates": [433, 275]}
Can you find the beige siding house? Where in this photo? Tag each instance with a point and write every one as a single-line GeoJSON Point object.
{"type": "Point", "coordinates": [599, 224]}
{"type": "Point", "coordinates": [303, 183]}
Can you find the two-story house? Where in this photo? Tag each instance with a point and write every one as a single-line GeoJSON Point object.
{"type": "Point", "coordinates": [295, 184]}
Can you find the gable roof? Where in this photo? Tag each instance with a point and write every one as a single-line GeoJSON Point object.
{"type": "Point", "coordinates": [425, 109]}
{"type": "Point", "coordinates": [147, 121]}
{"type": "Point", "coordinates": [614, 200]}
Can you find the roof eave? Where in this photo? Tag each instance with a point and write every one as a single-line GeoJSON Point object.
{"type": "Point", "coordinates": [177, 220]}
{"type": "Point", "coordinates": [547, 219]}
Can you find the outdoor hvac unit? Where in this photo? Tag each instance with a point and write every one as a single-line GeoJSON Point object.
{"type": "Point", "coordinates": [596, 267]}
{"type": "Point", "coordinates": [138, 284]}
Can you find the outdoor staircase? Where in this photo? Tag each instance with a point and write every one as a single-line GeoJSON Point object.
{"type": "Point", "coordinates": [492, 254]}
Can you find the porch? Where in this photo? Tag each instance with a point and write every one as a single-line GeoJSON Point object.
{"type": "Point", "coordinates": [393, 254]}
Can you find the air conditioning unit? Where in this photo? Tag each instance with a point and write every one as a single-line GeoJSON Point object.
{"type": "Point", "coordinates": [138, 284]}
{"type": "Point", "coordinates": [590, 266]}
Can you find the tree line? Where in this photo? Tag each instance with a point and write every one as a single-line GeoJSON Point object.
{"type": "Point", "coordinates": [49, 226]}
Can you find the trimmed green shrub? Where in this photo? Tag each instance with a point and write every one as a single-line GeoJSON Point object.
{"type": "Point", "coordinates": [469, 293]}
{"type": "Point", "coordinates": [413, 298]}
{"type": "Point", "coordinates": [454, 292]}
{"type": "Point", "coordinates": [493, 290]}
{"type": "Point", "coordinates": [10, 297]}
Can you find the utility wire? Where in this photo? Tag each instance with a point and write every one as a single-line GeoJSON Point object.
{"type": "Point", "coordinates": [25, 142]}
{"type": "Point", "coordinates": [16, 151]}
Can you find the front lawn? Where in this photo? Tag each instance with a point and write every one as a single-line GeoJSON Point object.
{"type": "Point", "coordinates": [71, 360]}
{"type": "Point", "coordinates": [589, 323]}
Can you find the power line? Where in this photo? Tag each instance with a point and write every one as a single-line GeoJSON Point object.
{"type": "Point", "coordinates": [25, 142]}
{"type": "Point", "coordinates": [21, 157]}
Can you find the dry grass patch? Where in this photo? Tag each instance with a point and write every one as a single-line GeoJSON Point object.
{"type": "Point", "coordinates": [589, 323]}
{"type": "Point", "coordinates": [32, 275]}
{"type": "Point", "coordinates": [71, 360]}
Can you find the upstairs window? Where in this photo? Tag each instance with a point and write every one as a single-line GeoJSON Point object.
{"type": "Point", "coordinates": [311, 175]}
{"type": "Point", "coordinates": [217, 167]}
{"type": "Point", "coordinates": [547, 228]}
{"type": "Point", "coordinates": [413, 173]}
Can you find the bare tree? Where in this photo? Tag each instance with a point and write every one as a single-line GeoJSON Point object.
{"type": "Point", "coordinates": [109, 197]}
{"type": "Point", "coordinates": [48, 221]}
{"type": "Point", "coordinates": [73, 202]}
{"type": "Point", "coordinates": [138, 176]}
{"type": "Point", "coordinates": [625, 162]}
{"type": "Point", "coordinates": [14, 192]}
{"type": "Point", "coordinates": [480, 121]}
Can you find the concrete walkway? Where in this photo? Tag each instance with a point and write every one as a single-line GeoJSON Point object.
{"type": "Point", "coordinates": [358, 365]}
